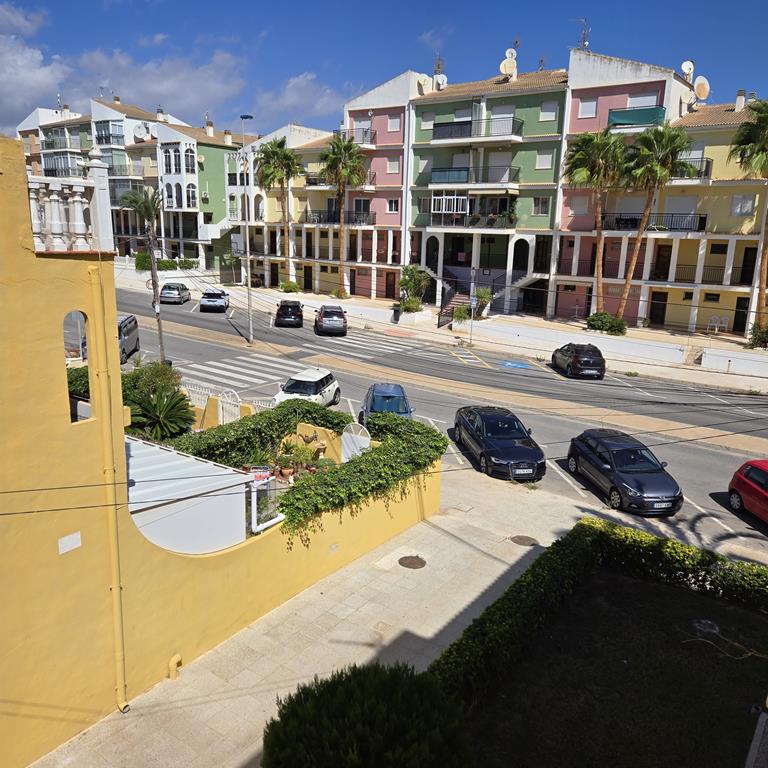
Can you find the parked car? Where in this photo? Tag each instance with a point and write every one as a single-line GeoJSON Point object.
{"type": "Point", "coordinates": [174, 293]}
{"type": "Point", "coordinates": [500, 442]}
{"type": "Point", "coordinates": [330, 319]}
{"type": "Point", "coordinates": [214, 300]}
{"type": "Point", "coordinates": [579, 360]}
{"type": "Point", "coordinates": [631, 477]}
{"type": "Point", "coordinates": [748, 489]}
{"type": "Point", "coordinates": [290, 313]}
{"type": "Point", "coordinates": [317, 385]}
{"type": "Point", "coordinates": [385, 398]}
{"type": "Point", "coordinates": [127, 336]}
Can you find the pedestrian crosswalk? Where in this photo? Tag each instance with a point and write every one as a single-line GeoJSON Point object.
{"type": "Point", "coordinates": [362, 346]}
{"type": "Point", "coordinates": [241, 372]}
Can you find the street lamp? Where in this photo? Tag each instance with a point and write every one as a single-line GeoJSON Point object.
{"type": "Point", "coordinates": [246, 179]}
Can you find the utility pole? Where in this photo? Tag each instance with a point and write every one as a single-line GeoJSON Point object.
{"type": "Point", "coordinates": [247, 169]}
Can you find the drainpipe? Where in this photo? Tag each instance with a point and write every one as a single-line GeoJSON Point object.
{"type": "Point", "coordinates": [110, 480]}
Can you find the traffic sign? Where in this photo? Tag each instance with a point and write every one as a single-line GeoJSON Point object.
{"type": "Point", "coordinates": [473, 302]}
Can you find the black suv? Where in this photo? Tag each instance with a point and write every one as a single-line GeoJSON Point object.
{"type": "Point", "coordinates": [290, 313]}
{"type": "Point", "coordinates": [631, 477]}
{"type": "Point", "coordinates": [579, 360]}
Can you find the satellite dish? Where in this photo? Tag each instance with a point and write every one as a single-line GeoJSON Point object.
{"type": "Point", "coordinates": [140, 132]}
{"type": "Point", "coordinates": [153, 131]}
{"type": "Point", "coordinates": [510, 53]}
{"type": "Point", "coordinates": [687, 67]}
{"type": "Point", "coordinates": [701, 87]}
{"type": "Point", "coordinates": [424, 84]}
{"type": "Point", "coordinates": [508, 66]}
{"type": "Point", "coordinates": [441, 81]}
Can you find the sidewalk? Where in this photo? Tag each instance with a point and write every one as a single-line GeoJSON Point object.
{"type": "Point", "coordinates": [213, 716]}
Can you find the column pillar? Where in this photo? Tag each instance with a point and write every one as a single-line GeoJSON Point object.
{"type": "Point", "coordinates": [552, 283]}
{"type": "Point", "coordinates": [359, 242]}
{"type": "Point", "coordinates": [440, 260]}
{"type": "Point", "coordinates": [77, 220]}
{"type": "Point", "coordinates": [316, 278]}
{"type": "Point", "coordinates": [201, 256]}
{"type": "Point", "coordinates": [531, 253]}
{"type": "Point", "coordinates": [330, 243]}
{"type": "Point", "coordinates": [265, 240]}
{"type": "Point", "coordinates": [623, 256]}
{"type": "Point", "coordinates": [648, 258]}
{"type": "Point", "coordinates": [673, 260]}
{"type": "Point", "coordinates": [374, 277]}
{"type": "Point", "coordinates": [55, 225]}
{"type": "Point", "coordinates": [304, 244]}
{"type": "Point", "coordinates": [700, 260]}
{"type": "Point", "coordinates": [423, 255]}
{"type": "Point", "coordinates": [511, 240]}
{"type": "Point", "coordinates": [576, 255]}
{"type": "Point", "coordinates": [390, 241]}
{"type": "Point", "coordinates": [375, 245]}
{"type": "Point", "coordinates": [316, 242]}
{"type": "Point", "coordinates": [34, 210]}
{"type": "Point", "coordinates": [642, 307]}
{"type": "Point", "coordinates": [728, 274]}
{"type": "Point", "coordinates": [694, 316]}
{"type": "Point", "coordinates": [100, 208]}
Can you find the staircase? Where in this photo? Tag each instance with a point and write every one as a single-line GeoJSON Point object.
{"type": "Point", "coordinates": [519, 279]}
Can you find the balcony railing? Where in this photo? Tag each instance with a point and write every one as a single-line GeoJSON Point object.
{"type": "Point", "coordinates": [686, 273]}
{"type": "Point", "coordinates": [134, 169]}
{"type": "Point", "coordinates": [493, 174]}
{"type": "Point", "coordinates": [358, 135]}
{"type": "Point", "coordinates": [702, 167]}
{"type": "Point", "coordinates": [474, 220]}
{"type": "Point", "coordinates": [359, 218]}
{"type": "Point", "coordinates": [658, 222]}
{"type": "Point", "coordinates": [110, 138]}
{"type": "Point", "coordinates": [467, 129]}
{"type": "Point", "coordinates": [320, 180]}
{"type": "Point", "coordinates": [631, 116]}
{"type": "Point", "coordinates": [66, 172]}
{"type": "Point", "coordinates": [62, 142]}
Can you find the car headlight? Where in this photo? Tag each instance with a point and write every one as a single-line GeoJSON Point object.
{"type": "Point", "coordinates": [631, 491]}
{"type": "Point", "coordinates": [498, 461]}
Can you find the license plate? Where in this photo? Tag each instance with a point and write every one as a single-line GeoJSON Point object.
{"type": "Point", "coordinates": [589, 370]}
{"type": "Point", "coordinates": [522, 471]}
{"type": "Point", "coordinates": [662, 505]}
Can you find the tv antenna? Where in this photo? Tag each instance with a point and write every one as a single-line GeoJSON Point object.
{"type": "Point", "coordinates": [58, 99]}
{"type": "Point", "coordinates": [101, 91]}
{"type": "Point", "coordinates": [584, 36]}
{"type": "Point", "coordinates": [516, 43]}
{"type": "Point", "coordinates": [542, 63]}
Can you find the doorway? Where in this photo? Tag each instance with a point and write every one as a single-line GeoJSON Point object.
{"type": "Point", "coordinates": [520, 256]}
{"type": "Point", "coordinates": [658, 310]}
{"type": "Point", "coordinates": [352, 247]}
{"type": "Point", "coordinates": [274, 274]}
{"type": "Point", "coordinates": [310, 254]}
{"type": "Point", "coordinates": [273, 242]}
{"type": "Point", "coordinates": [661, 263]}
{"type": "Point", "coordinates": [352, 281]}
{"type": "Point", "coordinates": [308, 277]}
{"type": "Point", "coordinates": [740, 314]}
{"type": "Point", "coordinates": [747, 271]}
{"type": "Point", "coordinates": [389, 285]}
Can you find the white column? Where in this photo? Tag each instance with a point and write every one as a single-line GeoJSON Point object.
{"type": "Point", "coordinates": [330, 243]}
{"type": "Point", "coordinates": [729, 257]}
{"type": "Point", "coordinates": [623, 256]}
{"type": "Point", "coordinates": [201, 256]}
{"type": "Point", "coordinates": [642, 307]}
{"type": "Point", "coordinates": [700, 260]}
{"type": "Point", "coordinates": [476, 250]}
{"type": "Point", "coordinates": [278, 240]}
{"type": "Point", "coordinates": [304, 244]}
{"type": "Point", "coordinates": [673, 260]}
{"type": "Point", "coordinates": [359, 244]}
{"type": "Point", "coordinates": [345, 273]}
{"type": "Point", "coordinates": [576, 255]}
{"type": "Point", "coordinates": [34, 210]}
{"type": "Point", "coordinates": [316, 278]}
{"type": "Point", "coordinates": [265, 240]}
{"type": "Point", "coordinates": [531, 252]}
{"type": "Point", "coordinates": [552, 290]}
{"type": "Point", "coordinates": [374, 276]}
{"type": "Point", "coordinates": [648, 258]}
{"type": "Point", "coordinates": [510, 262]}
{"type": "Point", "coordinates": [390, 241]}
{"type": "Point", "coordinates": [55, 226]}
{"type": "Point", "coordinates": [693, 317]}
{"type": "Point", "coordinates": [593, 301]}
{"type": "Point", "coordinates": [102, 238]}
{"type": "Point", "coordinates": [316, 242]}
{"type": "Point", "coordinates": [375, 245]}
{"type": "Point", "coordinates": [77, 221]}
{"type": "Point", "coordinates": [423, 255]}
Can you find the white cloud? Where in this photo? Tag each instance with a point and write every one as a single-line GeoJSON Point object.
{"type": "Point", "coordinates": [435, 39]}
{"type": "Point", "coordinates": [15, 21]}
{"type": "Point", "coordinates": [146, 41]}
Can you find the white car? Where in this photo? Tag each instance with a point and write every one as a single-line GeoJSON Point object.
{"type": "Point", "coordinates": [317, 385]}
{"type": "Point", "coordinates": [214, 300]}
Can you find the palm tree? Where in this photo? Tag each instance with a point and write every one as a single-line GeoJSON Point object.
{"type": "Point", "coordinates": [750, 148]}
{"type": "Point", "coordinates": [596, 161]}
{"type": "Point", "coordinates": [276, 165]}
{"type": "Point", "coordinates": [161, 413]}
{"type": "Point", "coordinates": [147, 205]}
{"type": "Point", "coordinates": [651, 162]}
{"type": "Point", "coordinates": [343, 166]}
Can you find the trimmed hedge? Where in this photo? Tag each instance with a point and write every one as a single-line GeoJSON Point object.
{"type": "Point", "coordinates": [143, 379]}
{"type": "Point", "coordinates": [499, 636]}
{"type": "Point", "coordinates": [372, 716]}
{"type": "Point", "coordinates": [604, 321]}
{"type": "Point", "coordinates": [144, 264]}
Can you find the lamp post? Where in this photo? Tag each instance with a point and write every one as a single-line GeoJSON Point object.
{"type": "Point", "coordinates": [247, 178]}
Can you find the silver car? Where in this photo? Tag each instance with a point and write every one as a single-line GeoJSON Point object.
{"type": "Point", "coordinates": [174, 293]}
{"type": "Point", "coordinates": [331, 319]}
{"type": "Point", "coordinates": [214, 301]}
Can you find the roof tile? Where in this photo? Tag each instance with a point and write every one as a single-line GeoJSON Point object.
{"type": "Point", "coordinates": [714, 115]}
{"type": "Point", "coordinates": [526, 81]}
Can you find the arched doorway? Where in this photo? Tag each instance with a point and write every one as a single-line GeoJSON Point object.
{"type": "Point", "coordinates": [520, 256]}
{"type": "Point", "coordinates": [433, 248]}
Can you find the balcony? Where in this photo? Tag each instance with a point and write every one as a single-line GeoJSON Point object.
{"type": "Point", "coordinates": [686, 273]}
{"type": "Point", "coordinates": [636, 117]}
{"type": "Point", "coordinates": [490, 128]}
{"type": "Point", "coordinates": [355, 218]}
{"type": "Point", "coordinates": [320, 180]}
{"type": "Point", "coordinates": [492, 174]}
{"type": "Point", "coordinates": [134, 169]}
{"type": "Point", "coordinates": [65, 172]}
{"type": "Point", "coordinates": [701, 168]}
{"type": "Point", "coordinates": [658, 222]}
{"type": "Point", "coordinates": [110, 138]}
{"type": "Point", "coordinates": [363, 136]}
{"type": "Point", "coordinates": [473, 220]}
{"type": "Point", "coordinates": [62, 142]}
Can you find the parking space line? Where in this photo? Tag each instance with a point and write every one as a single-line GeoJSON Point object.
{"type": "Point", "coordinates": [231, 314]}
{"type": "Point", "coordinates": [566, 478]}
{"type": "Point", "coordinates": [632, 386]}
{"type": "Point", "coordinates": [429, 419]}
{"type": "Point", "coordinates": [351, 408]}
{"type": "Point", "coordinates": [458, 357]}
{"type": "Point", "coordinates": [456, 454]}
{"type": "Point", "coordinates": [546, 368]}
{"type": "Point", "coordinates": [710, 516]}
{"type": "Point", "coordinates": [197, 304]}
{"type": "Point", "coordinates": [479, 359]}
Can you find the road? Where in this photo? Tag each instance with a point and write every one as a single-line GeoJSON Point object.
{"type": "Point", "coordinates": [703, 471]}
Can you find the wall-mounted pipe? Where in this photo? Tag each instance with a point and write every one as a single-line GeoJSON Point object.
{"type": "Point", "coordinates": [173, 666]}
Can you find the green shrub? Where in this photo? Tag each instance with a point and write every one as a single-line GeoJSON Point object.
{"type": "Point", "coordinates": [144, 264]}
{"type": "Point", "coordinates": [161, 413]}
{"type": "Point", "coordinates": [143, 379]}
{"type": "Point", "coordinates": [414, 281]}
{"type": "Point", "coordinates": [461, 313]}
{"type": "Point", "coordinates": [166, 264]}
{"type": "Point", "coordinates": [411, 304]}
{"type": "Point", "coordinates": [289, 286]}
{"type": "Point", "coordinates": [758, 337]}
{"type": "Point", "coordinates": [604, 321]}
{"type": "Point", "coordinates": [484, 296]}
{"type": "Point", "coordinates": [339, 293]}
{"type": "Point", "coordinates": [372, 716]}
{"type": "Point", "coordinates": [142, 261]}
{"type": "Point", "coordinates": [77, 382]}
{"type": "Point", "coordinates": [188, 264]}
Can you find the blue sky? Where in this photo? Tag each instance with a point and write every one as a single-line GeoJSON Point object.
{"type": "Point", "coordinates": [193, 58]}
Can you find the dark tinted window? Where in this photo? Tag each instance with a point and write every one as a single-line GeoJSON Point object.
{"type": "Point", "coordinates": [587, 349]}
{"type": "Point", "coordinates": [213, 295]}
{"type": "Point", "coordinates": [332, 313]}
{"type": "Point", "coordinates": [757, 476]}
{"type": "Point", "coordinates": [589, 442]}
{"type": "Point", "coordinates": [389, 404]}
{"type": "Point", "coordinates": [301, 387]}
{"type": "Point", "coordinates": [635, 460]}
{"type": "Point", "coordinates": [503, 427]}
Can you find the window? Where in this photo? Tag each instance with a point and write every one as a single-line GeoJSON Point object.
{"type": "Point", "coordinates": [642, 100]}
{"type": "Point", "coordinates": [427, 119]}
{"type": "Point", "coordinates": [176, 160]}
{"type": "Point", "coordinates": [719, 249]}
{"type": "Point", "coordinates": [393, 165]}
{"type": "Point", "coordinates": [167, 160]}
{"type": "Point", "coordinates": [548, 111]}
{"type": "Point", "coordinates": [579, 205]}
{"type": "Point", "coordinates": [76, 346]}
{"type": "Point", "coordinates": [462, 114]}
{"type": "Point", "coordinates": [179, 198]}
{"type": "Point", "coordinates": [191, 196]}
{"type": "Point", "coordinates": [588, 107]}
{"type": "Point", "coordinates": [361, 205]}
{"type": "Point", "coordinates": [712, 298]}
{"type": "Point", "coordinates": [541, 206]}
{"type": "Point", "coordinates": [758, 476]}
{"type": "Point", "coordinates": [569, 289]}
{"type": "Point", "coordinates": [393, 205]}
{"type": "Point", "coordinates": [742, 205]}
{"type": "Point", "coordinates": [168, 196]}
{"type": "Point", "coordinates": [543, 159]}
{"type": "Point", "coordinates": [207, 218]}
{"type": "Point", "coordinates": [323, 268]}
{"type": "Point", "coordinates": [688, 296]}
{"type": "Point", "coordinates": [189, 161]}
{"type": "Point", "coordinates": [393, 123]}
{"type": "Point", "coordinates": [424, 204]}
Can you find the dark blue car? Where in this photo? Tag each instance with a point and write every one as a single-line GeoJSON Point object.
{"type": "Point", "coordinates": [385, 398]}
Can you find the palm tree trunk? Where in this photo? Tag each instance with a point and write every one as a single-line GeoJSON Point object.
{"type": "Point", "coordinates": [342, 243]}
{"type": "Point", "coordinates": [599, 249]}
{"type": "Point", "coordinates": [762, 279]}
{"type": "Point", "coordinates": [286, 244]}
{"type": "Point", "coordinates": [155, 290]}
{"type": "Point", "coordinates": [635, 253]}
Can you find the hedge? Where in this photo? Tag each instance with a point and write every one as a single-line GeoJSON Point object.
{"type": "Point", "coordinates": [143, 378]}
{"type": "Point", "coordinates": [499, 636]}
{"type": "Point", "coordinates": [373, 716]}
{"type": "Point", "coordinates": [143, 263]}
{"type": "Point", "coordinates": [604, 321]}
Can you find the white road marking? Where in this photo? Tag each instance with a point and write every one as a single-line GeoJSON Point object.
{"type": "Point", "coordinates": [710, 516]}
{"type": "Point", "coordinates": [271, 321]}
{"type": "Point", "coordinates": [627, 384]}
{"type": "Point", "coordinates": [210, 371]}
{"type": "Point", "coordinates": [197, 304]}
{"type": "Point", "coordinates": [231, 314]}
{"type": "Point", "coordinates": [715, 397]}
{"type": "Point", "coordinates": [566, 478]}
{"type": "Point", "coordinates": [456, 454]}
{"type": "Point", "coordinates": [351, 407]}
{"type": "Point", "coordinates": [430, 420]}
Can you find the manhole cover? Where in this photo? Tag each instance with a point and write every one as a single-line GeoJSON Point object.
{"type": "Point", "coordinates": [524, 541]}
{"type": "Point", "coordinates": [412, 561]}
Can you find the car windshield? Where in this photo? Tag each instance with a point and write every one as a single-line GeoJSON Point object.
{"type": "Point", "coordinates": [593, 351]}
{"type": "Point", "coordinates": [171, 288]}
{"type": "Point", "coordinates": [213, 295]}
{"type": "Point", "coordinates": [389, 404]}
{"type": "Point", "coordinates": [503, 428]}
{"type": "Point", "coordinates": [300, 387]}
{"type": "Point", "coordinates": [332, 314]}
{"type": "Point", "coordinates": [289, 309]}
{"type": "Point", "coordinates": [635, 460]}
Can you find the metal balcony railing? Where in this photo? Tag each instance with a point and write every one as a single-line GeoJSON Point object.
{"type": "Point", "coordinates": [110, 138]}
{"type": "Point", "coordinates": [62, 142]}
{"type": "Point", "coordinates": [492, 174]}
{"type": "Point", "coordinates": [686, 273]}
{"type": "Point", "coordinates": [134, 169]}
{"type": "Point", "coordinates": [658, 222]}
{"type": "Point", "coordinates": [467, 129]}
{"type": "Point", "coordinates": [66, 172]}
{"type": "Point", "coordinates": [320, 180]}
{"type": "Point", "coordinates": [701, 167]}
{"type": "Point", "coordinates": [358, 135]}
{"type": "Point", "coordinates": [474, 220]}
{"type": "Point", "coordinates": [631, 116]}
{"type": "Point", "coordinates": [332, 217]}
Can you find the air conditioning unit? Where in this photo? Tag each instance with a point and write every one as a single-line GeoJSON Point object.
{"type": "Point", "coordinates": [204, 196]}
{"type": "Point", "coordinates": [201, 158]}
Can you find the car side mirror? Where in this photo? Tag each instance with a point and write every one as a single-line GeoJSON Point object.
{"type": "Point", "coordinates": [606, 466]}
{"type": "Point", "coordinates": [411, 410]}
{"type": "Point", "coordinates": [663, 463]}
{"type": "Point", "coordinates": [530, 430]}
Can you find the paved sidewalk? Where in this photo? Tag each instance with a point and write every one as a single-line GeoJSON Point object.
{"type": "Point", "coordinates": [213, 716]}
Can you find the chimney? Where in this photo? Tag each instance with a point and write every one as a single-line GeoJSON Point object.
{"type": "Point", "coordinates": [752, 96]}
{"type": "Point", "coordinates": [65, 114]}
{"type": "Point", "coordinates": [228, 137]}
{"type": "Point", "coordinates": [115, 98]}
{"type": "Point", "coordinates": [739, 100]}
{"type": "Point", "coordinates": [209, 128]}
{"type": "Point", "coordinates": [160, 114]}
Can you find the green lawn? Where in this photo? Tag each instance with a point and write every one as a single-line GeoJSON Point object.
{"type": "Point", "coordinates": [622, 677]}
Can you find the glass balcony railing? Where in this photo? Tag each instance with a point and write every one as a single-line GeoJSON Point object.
{"type": "Point", "coordinates": [473, 220]}
{"type": "Point", "coordinates": [468, 129]}
{"type": "Point", "coordinates": [635, 116]}
{"type": "Point", "coordinates": [493, 174]}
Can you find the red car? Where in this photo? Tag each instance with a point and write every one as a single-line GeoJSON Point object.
{"type": "Point", "coordinates": [748, 489]}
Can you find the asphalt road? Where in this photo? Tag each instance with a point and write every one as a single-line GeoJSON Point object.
{"type": "Point", "coordinates": [702, 471]}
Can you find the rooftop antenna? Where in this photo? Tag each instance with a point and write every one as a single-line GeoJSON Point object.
{"type": "Point", "coordinates": [584, 36]}
{"type": "Point", "coordinates": [101, 91]}
{"type": "Point", "coordinates": [516, 43]}
{"type": "Point", "coordinates": [439, 64]}
{"type": "Point", "coordinates": [542, 62]}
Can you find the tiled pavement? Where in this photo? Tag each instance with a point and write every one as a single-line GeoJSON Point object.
{"type": "Point", "coordinates": [213, 716]}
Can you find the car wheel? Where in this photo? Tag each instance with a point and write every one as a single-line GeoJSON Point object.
{"type": "Point", "coordinates": [123, 357]}
{"type": "Point", "coordinates": [337, 397]}
{"type": "Point", "coordinates": [457, 435]}
{"type": "Point", "coordinates": [569, 372]}
{"type": "Point", "coordinates": [573, 465]}
{"type": "Point", "coordinates": [601, 377]}
{"type": "Point", "coordinates": [554, 364]}
{"type": "Point", "coordinates": [735, 502]}
{"type": "Point", "coordinates": [485, 467]}
{"type": "Point", "coordinates": [614, 499]}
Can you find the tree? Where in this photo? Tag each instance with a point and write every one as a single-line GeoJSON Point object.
{"type": "Point", "coordinates": [414, 281]}
{"type": "Point", "coordinates": [651, 162]}
{"type": "Point", "coordinates": [276, 165]}
{"type": "Point", "coordinates": [596, 161]}
{"type": "Point", "coordinates": [161, 413]}
{"type": "Point", "coordinates": [343, 166]}
{"type": "Point", "coordinates": [147, 205]}
{"type": "Point", "coordinates": [750, 148]}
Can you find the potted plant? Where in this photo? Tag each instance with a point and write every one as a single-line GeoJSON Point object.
{"type": "Point", "coordinates": [285, 462]}
{"type": "Point", "coordinates": [302, 456]}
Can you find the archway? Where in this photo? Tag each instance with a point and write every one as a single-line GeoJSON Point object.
{"type": "Point", "coordinates": [520, 256]}
{"type": "Point", "coordinates": [433, 249]}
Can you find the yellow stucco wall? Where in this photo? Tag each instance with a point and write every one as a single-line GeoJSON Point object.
{"type": "Point", "coordinates": [715, 202]}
